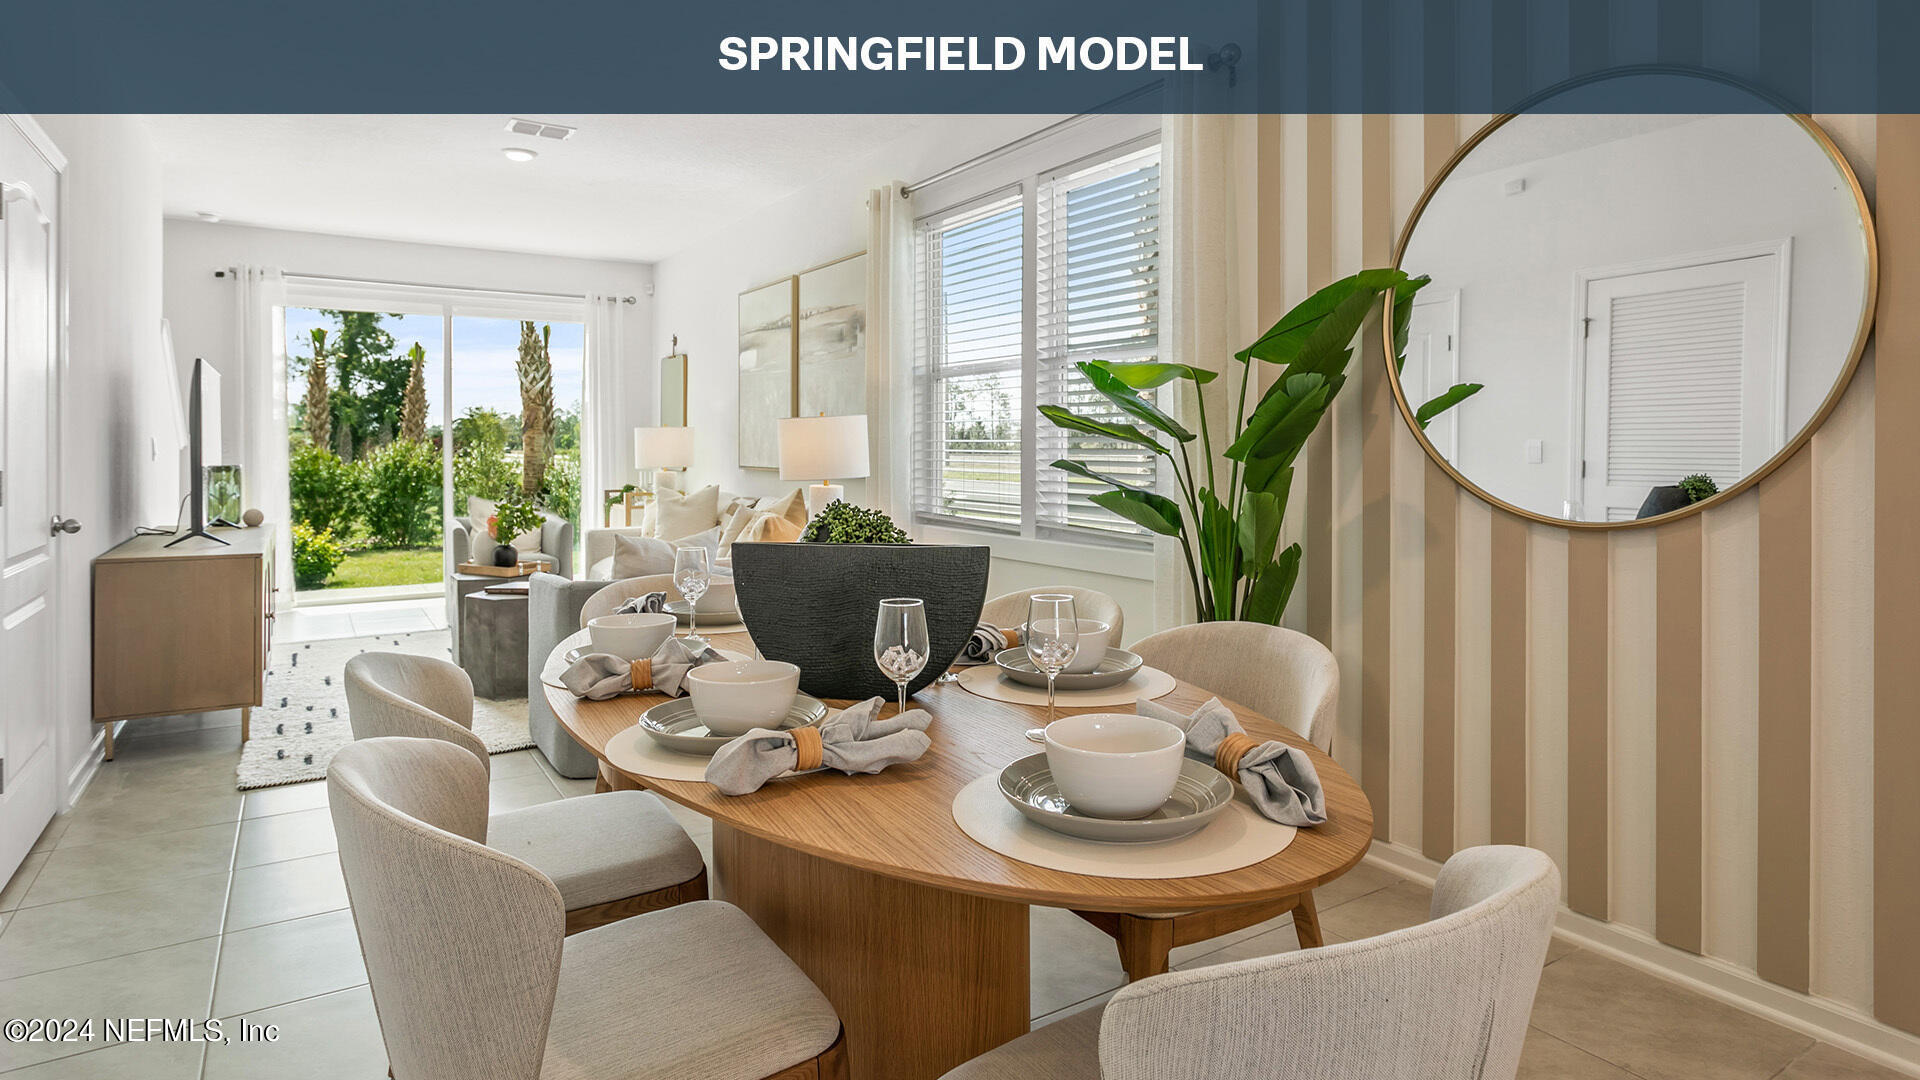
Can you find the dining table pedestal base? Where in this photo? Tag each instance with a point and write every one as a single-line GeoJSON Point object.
{"type": "Point", "coordinates": [923, 978]}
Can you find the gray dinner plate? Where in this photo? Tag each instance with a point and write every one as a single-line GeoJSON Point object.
{"type": "Point", "coordinates": [683, 611]}
{"type": "Point", "coordinates": [1198, 796]}
{"type": "Point", "coordinates": [675, 726]}
{"type": "Point", "coordinates": [1117, 667]}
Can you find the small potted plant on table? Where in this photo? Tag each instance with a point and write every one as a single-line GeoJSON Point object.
{"type": "Point", "coordinates": [510, 519]}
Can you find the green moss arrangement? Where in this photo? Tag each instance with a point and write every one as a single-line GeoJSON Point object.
{"type": "Point", "coordinates": [1699, 486]}
{"type": "Point", "coordinates": [844, 523]}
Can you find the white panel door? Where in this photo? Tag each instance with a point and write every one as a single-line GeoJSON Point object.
{"type": "Point", "coordinates": [29, 188]}
{"type": "Point", "coordinates": [1682, 372]}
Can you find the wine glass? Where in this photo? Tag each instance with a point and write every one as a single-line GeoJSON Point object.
{"type": "Point", "coordinates": [900, 642]}
{"type": "Point", "coordinates": [691, 576]}
{"type": "Point", "coordinates": [1052, 638]}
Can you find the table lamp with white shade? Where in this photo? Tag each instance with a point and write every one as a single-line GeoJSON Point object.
{"type": "Point", "coordinates": [656, 448]}
{"type": "Point", "coordinates": [823, 448]}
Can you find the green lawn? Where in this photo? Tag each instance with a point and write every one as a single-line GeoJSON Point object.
{"type": "Point", "coordinates": [387, 566]}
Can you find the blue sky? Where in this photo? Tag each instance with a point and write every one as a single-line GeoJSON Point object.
{"type": "Point", "coordinates": [484, 351]}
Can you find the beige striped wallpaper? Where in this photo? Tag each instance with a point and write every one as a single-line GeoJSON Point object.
{"type": "Point", "coordinates": [1684, 716]}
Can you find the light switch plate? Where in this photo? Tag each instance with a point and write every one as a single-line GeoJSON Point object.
{"type": "Point", "coordinates": [1536, 452]}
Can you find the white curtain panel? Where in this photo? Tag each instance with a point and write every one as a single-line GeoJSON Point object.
{"type": "Point", "coordinates": [602, 462]}
{"type": "Point", "coordinates": [890, 351]}
{"type": "Point", "coordinates": [1199, 310]}
{"type": "Point", "coordinates": [260, 340]}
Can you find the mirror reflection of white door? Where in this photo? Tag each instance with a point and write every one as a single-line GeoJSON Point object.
{"type": "Point", "coordinates": [1433, 363]}
{"type": "Point", "coordinates": [1683, 374]}
{"type": "Point", "coordinates": [29, 780]}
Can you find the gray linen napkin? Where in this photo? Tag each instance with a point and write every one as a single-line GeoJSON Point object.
{"type": "Point", "coordinates": [599, 676]}
{"type": "Point", "coordinates": [988, 639]}
{"type": "Point", "coordinates": [652, 603]}
{"type": "Point", "coordinates": [1279, 779]}
{"type": "Point", "coordinates": [851, 740]}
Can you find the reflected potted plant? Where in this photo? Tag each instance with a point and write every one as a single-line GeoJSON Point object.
{"type": "Point", "coordinates": [510, 519]}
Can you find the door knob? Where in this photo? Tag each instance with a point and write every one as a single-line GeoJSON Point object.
{"type": "Point", "coordinates": [69, 525]}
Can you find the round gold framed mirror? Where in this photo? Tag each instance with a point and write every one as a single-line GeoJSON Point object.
{"type": "Point", "coordinates": [1657, 309]}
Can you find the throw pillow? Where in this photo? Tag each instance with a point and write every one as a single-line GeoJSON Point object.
{"type": "Point", "coordinates": [649, 521]}
{"type": "Point", "coordinates": [735, 523]}
{"type": "Point", "coordinates": [638, 556]}
{"type": "Point", "coordinates": [769, 527]}
{"type": "Point", "coordinates": [478, 511]}
{"type": "Point", "coordinates": [683, 515]}
{"type": "Point", "coordinates": [792, 506]}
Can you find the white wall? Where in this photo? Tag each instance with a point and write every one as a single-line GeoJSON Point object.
{"type": "Point", "coordinates": [1699, 186]}
{"type": "Point", "coordinates": [698, 293]}
{"type": "Point", "coordinates": [201, 306]}
{"type": "Point", "coordinates": [111, 220]}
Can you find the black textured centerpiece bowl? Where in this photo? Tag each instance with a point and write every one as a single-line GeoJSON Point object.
{"type": "Point", "coordinates": [815, 605]}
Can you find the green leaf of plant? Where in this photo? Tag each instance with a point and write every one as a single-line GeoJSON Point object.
{"type": "Point", "coordinates": [1403, 294]}
{"type": "Point", "coordinates": [1155, 513]}
{"type": "Point", "coordinates": [1267, 599]}
{"type": "Point", "coordinates": [1111, 388]}
{"type": "Point", "coordinates": [1283, 340]}
{"type": "Point", "coordinates": [1259, 527]}
{"type": "Point", "coordinates": [1283, 420]}
{"type": "Point", "coordinates": [1218, 552]}
{"type": "Point", "coordinates": [1104, 428]}
{"type": "Point", "coordinates": [1271, 476]}
{"type": "Point", "coordinates": [1078, 468]}
{"type": "Point", "coordinates": [1147, 374]}
{"type": "Point", "coordinates": [1328, 348]}
{"type": "Point", "coordinates": [1453, 396]}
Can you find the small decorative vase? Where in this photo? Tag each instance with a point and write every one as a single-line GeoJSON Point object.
{"type": "Point", "coordinates": [506, 555]}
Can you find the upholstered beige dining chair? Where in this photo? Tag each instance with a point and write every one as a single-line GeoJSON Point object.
{"type": "Point", "coordinates": [619, 592]}
{"type": "Point", "coordinates": [612, 855]}
{"type": "Point", "coordinates": [1446, 1000]}
{"type": "Point", "coordinates": [1288, 678]}
{"type": "Point", "coordinates": [471, 981]}
{"type": "Point", "coordinates": [1010, 609]}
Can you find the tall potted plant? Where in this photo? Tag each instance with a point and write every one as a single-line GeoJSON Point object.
{"type": "Point", "coordinates": [1229, 532]}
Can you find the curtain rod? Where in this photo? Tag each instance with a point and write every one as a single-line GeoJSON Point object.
{"type": "Point", "coordinates": [1032, 137]}
{"type": "Point", "coordinates": [226, 271]}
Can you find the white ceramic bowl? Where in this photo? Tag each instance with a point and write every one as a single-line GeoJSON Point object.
{"type": "Point", "coordinates": [736, 696]}
{"type": "Point", "coordinates": [718, 599]}
{"type": "Point", "coordinates": [1115, 765]}
{"type": "Point", "coordinates": [630, 637]}
{"type": "Point", "coordinates": [1096, 636]}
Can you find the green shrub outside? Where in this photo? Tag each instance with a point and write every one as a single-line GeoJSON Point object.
{"type": "Point", "coordinates": [561, 494]}
{"type": "Point", "coordinates": [482, 470]}
{"type": "Point", "coordinates": [401, 493]}
{"type": "Point", "coordinates": [315, 556]}
{"type": "Point", "coordinates": [325, 490]}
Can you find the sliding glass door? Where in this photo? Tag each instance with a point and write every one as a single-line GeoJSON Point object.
{"type": "Point", "coordinates": [396, 418]}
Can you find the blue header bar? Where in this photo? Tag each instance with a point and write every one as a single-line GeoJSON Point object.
{"type": "Point", "coordinates": [982, 56]}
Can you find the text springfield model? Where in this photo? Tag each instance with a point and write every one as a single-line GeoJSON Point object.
{"type": "Point", "coordinates": [960, 54]}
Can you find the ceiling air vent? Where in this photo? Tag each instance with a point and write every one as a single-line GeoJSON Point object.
{"type": "Point", "coordinates": [535, 127]}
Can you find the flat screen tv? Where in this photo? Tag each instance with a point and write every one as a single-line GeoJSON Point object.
{"type": "Point", "coordinates": [203, 437]}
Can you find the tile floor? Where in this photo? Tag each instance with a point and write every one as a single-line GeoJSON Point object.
{"type": "Point", "coordinates": [165, 893]}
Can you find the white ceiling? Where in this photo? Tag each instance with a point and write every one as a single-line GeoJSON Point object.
{"type": "Point", "coordinates": [623, 187]}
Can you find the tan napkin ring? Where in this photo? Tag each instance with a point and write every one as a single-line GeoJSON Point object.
{"type": "Point", "coordinates": [1012, 634]}
{"type": "Point", "coordinates": [1226, 756]}
{"type": "Point", "coordinates": [640, 674]}
{"type": "Point", "coordinates": [808, 750]}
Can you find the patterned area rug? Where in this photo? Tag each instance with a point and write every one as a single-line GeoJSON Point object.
{"type": "Point", "coordinates": [304, 718]}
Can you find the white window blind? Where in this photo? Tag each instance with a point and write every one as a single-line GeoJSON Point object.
{"type": "Point", "coordinates": [1674, 366]}
{"type": "Point", "coordinates": [1097, 269]}
{"type": "Point", "coordinates": [969, 362]}
{"type": "Point", "coordinates": [983, 359]}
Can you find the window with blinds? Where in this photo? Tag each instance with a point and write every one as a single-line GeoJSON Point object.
{"type": "Point", "coordinates": [968, 367]}
{"type": "Point", "coordinates": [1097, 295]}
{"type": "Point", "coordinates": [998, 334]}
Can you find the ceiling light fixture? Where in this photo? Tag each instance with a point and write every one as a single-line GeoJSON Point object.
{"type": "Point", "coordinates": [208, 216]}
{"type": "Point", "coordinates": [519, 153]}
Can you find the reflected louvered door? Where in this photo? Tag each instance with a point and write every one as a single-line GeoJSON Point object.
{"type": "Point", "coordinates": [1682, 376]}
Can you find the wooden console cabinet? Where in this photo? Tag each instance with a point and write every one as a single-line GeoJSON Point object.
{"type": "Point", "coordinates": [182, 629]}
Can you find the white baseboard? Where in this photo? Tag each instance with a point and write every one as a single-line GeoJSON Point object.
{"type": "Point", "coordinates": [87, 767]}
{"type": "Point", "coordinates": [1829, 1021]}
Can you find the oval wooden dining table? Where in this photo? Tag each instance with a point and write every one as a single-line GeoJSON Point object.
{"type": "Point", "coordinates": [915, 932]}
